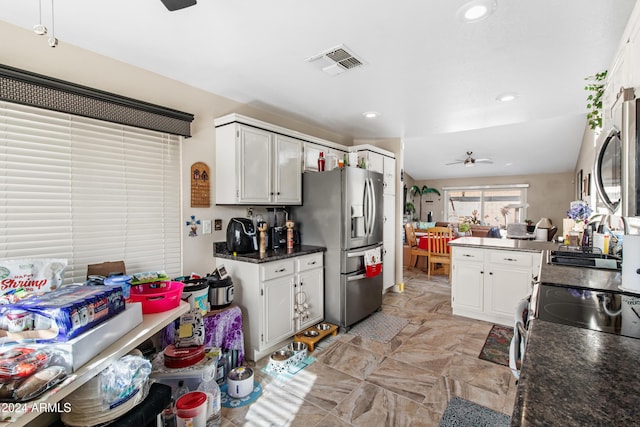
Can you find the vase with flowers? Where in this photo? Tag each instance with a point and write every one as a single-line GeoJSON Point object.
{"type": "Point", "coordinates": [579, 212]}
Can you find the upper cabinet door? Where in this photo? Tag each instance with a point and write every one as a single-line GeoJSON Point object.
{"type": "Point", "coordinates": [255, 156]}
{"type": "Point", "coordinates": [389, 175]}
{"type": "Point", "coordinates": [287, 170]}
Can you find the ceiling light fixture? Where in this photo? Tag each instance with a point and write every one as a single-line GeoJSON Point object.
{"type": "Point", "coordinates": [371, 114]}
{"type": "Point", "coordinates": [476, 10]}
{"type": "Point", "coordinates": [507, 97]}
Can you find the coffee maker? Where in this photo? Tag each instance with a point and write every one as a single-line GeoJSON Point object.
{"type": "Point", "coordinates": [277, 218]}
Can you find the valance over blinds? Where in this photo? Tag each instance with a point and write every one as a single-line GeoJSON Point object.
{"type": "Point", "coordinates": [88, 191]}
{"type": "Point", "coordinates": [25, 87]}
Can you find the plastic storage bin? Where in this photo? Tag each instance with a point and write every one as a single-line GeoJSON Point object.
{"type": "Point", "coordinates": [157, 296]}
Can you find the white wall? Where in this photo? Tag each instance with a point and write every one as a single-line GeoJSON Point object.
{"type": "Point", "coordinates": [23, 49]}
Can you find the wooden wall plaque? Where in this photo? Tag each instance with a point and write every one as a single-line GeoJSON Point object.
{"type": "Point", "coordinates": [200, 185]}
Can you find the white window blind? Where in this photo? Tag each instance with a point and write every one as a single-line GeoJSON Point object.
{"type": "Point", "coordinates": [88, 191]}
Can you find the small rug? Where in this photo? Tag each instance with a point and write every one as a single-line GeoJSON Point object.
{"type": "Point", "coordinates": [463, 413]}
{"type": "Point", "coordinates": [232, 402]}
{"type": "Point", "coordinates": [496, 347]}
{"type": "Point", "coordinates": [379, 327]}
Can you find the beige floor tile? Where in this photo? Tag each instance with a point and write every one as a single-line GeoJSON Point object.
{"type": "Point", "coordinates": [408, 381]}
{"type": "Point", "coordinates": [371, 405]}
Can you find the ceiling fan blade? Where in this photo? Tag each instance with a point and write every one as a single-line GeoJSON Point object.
{"type": "Point", "coordinates": [484, 161]}
{"type": "Point", "coordinates": [457, 162]}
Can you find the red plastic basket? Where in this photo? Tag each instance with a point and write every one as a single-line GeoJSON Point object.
{"type": "Point", "coordinates": [158, 296]}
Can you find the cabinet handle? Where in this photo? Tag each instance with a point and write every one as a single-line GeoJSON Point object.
{"type": "Point", "coordinates": [281, 270]}
{"type": "Point", "coordinates": [510, 259]}
{"type": "Point", "coordinates": [468, 256]}
{"type": "Point", "coordinates": [491, 273]}
{"type": "Point", "coordinates": [311, 263]}
{"type": "Point", "coordinates": [278, 193]}
{"type": "Point", "coordinates": [482, 272]}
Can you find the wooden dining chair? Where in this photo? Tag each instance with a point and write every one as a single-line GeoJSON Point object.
{"type": "Point", "coordinates": [414, 250]}
{"type": "Point", "coordinates": [439, 252]}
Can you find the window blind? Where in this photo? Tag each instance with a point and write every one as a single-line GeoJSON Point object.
{"type": "Point", "coordinates": [88, 191]}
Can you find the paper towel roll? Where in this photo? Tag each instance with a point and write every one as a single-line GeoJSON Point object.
{"type": "Point", "coordinates": [631, 263]}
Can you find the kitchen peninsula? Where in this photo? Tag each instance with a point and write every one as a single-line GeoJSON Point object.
{"type": "Point", "coordinates": [570, 376]}
{"type": "Point", "coordinates": [280, 293]}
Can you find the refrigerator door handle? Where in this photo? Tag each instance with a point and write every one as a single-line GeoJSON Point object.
{"type": "Point", "coordinates": [367, 207]}
{"type": "Point", "coordinates": [356, 277]}
{"type": "Point", "coordinates": [372, 204]}
{"type": "Point", "coordinates": [355, 254]}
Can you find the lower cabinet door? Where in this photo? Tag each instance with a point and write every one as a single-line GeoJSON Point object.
{"type": "Point", "coordinates": [504, 288]}
{"type": "Point", "coordinates": [310, 291]}
{"type": "Point", "coordinates": [278, 310]}
{"type": "Point", "coordinates": [467, 286]}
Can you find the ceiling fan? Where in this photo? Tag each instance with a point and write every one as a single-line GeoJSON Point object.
{"type": "Point", "coordinates": [470, 161]}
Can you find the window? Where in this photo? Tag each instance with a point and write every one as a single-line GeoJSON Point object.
{"type": "Point", "coordinates": [88, 191]}
{"type": "Point", "coordinates": [489, 205]}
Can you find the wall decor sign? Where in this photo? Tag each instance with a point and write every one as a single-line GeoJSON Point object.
{"type": "Point", "coordinates": [193, 224]}
{"type": "Point", "coordinates": [200, 185]}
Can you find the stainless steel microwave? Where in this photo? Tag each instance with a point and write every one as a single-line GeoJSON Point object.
{"type": "Point", "coordinates": [617, 168]}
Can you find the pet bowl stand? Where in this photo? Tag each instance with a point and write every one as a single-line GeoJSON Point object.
{"type": "Point", "coordinates": [312, 341]}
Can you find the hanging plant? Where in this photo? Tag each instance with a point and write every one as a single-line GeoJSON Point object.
{"type": "Point", "coordinates": [594, 100]}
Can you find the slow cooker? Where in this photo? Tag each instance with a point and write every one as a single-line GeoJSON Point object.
{"type": "Point", "coordinates": [220, 292]}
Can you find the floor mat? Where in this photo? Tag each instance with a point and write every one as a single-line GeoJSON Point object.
{"type": "Point", "coordinates": [461, 413]}
{"type": "Point", "coordinates": [496, 347]}
{"type": "Point", "coordinates": [379, 327]}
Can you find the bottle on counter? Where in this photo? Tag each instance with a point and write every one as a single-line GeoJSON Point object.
{"type": "Point", "coordinates": [321, 162]}
{"type": "Point", "coordinates": [181, 390]}
{"type": "Point", "coordinates": [169, 415]}
{"type": "Point", "coordinates": [211, 388]}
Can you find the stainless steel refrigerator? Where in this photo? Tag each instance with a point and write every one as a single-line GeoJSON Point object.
{"type": "Point", "coordinates": [342, 210]}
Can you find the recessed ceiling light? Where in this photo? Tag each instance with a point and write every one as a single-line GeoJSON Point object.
{"type": "Point", "coordinates": [476, 10]}
{"type": "Point", "coordinates": [371, 114]}
{"type": "Point", "coordinates": [507, 97]}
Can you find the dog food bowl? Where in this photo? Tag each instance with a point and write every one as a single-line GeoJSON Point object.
{"type": "Point", "coordinates": [311, 334]}
{"type": "Point", "coordinates": [280, 360]}
{"type": "Point", "coordinates": [323, 326]}
{"type": "Point", "coordinates": [299, 351]}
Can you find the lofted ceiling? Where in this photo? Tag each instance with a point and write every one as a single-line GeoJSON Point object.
{"type": "Point", "coordinates": [432, 78]}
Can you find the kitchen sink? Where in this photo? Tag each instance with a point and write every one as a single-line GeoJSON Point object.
{"type": "Point", "coordinates": [579, 258]}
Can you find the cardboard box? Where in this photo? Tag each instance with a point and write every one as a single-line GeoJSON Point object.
{"type": "Point", "coordinates": [76, 352]}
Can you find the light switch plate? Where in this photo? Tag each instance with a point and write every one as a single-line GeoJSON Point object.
{"type": "Point", "coordinates": [206, 226]}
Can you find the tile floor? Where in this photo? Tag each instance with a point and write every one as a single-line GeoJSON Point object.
{"type": "Point", "coordinates": [359, 382]}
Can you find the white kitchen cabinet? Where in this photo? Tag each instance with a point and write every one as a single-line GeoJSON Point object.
{"type": "Point", "coordinates": [373, 161]}
{"type": "Point", "coordinates": [487, 284]}
{"type": "Point", "coordinates": [310, 291]}
{"type": "Point", "coordinates": [278, 297]}
{"type": "Point", "coordinates": [389, 175]}
{"type": "Point", "coordinates": [389, 241]}
{"type": "Point", "coordinates": [256, 166]}
{"type": "Point", "coordinates": [312, 152]}
{"type": "Point", "coordinates": [267, 294]}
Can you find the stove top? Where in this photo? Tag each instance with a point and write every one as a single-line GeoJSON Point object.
{"type": "Point", "coordinates": [597, 310]}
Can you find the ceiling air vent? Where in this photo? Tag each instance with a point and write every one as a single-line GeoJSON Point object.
{"type": "Point", "coordinates": [337, 60]}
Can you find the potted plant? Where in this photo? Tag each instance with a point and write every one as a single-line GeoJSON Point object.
{"type": "Point", "coordinates": [594, 100]}
{"type": "Point", "coordinates": [409, 209]}
{"type": "Point", "coordinates": [463, 229]}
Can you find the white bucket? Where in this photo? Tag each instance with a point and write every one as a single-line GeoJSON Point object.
{"type": "Point", "coordinates": [191, 409]}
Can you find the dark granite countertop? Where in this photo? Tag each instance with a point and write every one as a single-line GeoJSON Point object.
{"type": "Point", "coordinates": [577, 377]}
{"type": "Point", "coordinates": [220, 251]}
{"type": "Point", "coordinates": [507, 244]}
{"type": "Point", "coordinates": [581, 277]}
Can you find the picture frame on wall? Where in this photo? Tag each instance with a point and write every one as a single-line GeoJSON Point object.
{"type": "Point", "coordinates": [579, 194]}
{"type": "Point", "coordinates": [587, 185]}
